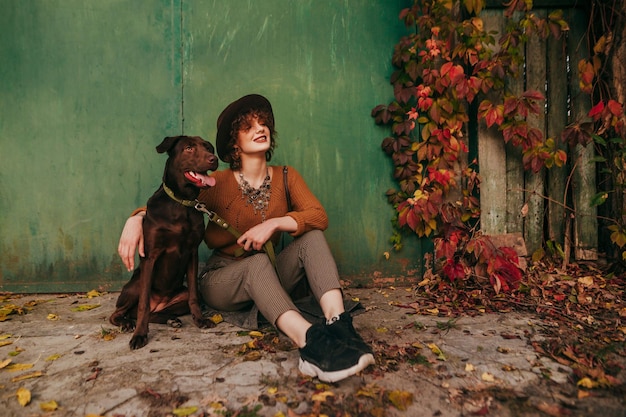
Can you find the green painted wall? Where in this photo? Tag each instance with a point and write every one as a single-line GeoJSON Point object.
{"type": "Point", "coordinates": [88, 88]}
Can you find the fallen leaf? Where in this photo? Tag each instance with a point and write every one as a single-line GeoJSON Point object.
{"type": "Point", "coordinates": [487, 377]}
{"type": "Point", "coordinates": [370, 390]}
{"type": "Point", "coordinates": [23, 396]}
{"type": "Point", "coordinates": [48, 406]}
{"type": "Point", "coordinates": [553, 410]}
{"type": "Point", "coordinates": [5, 343]}
{"type": "Point", "coordinates": [52, 317]}
{"type": "Point", "coordinates": [19, 367]}
{"type": "Point", "coordinates": [93, 293]}
{"type": "Point", "coordinates": [435, 349]}
{"type": "Point", "coordinates": [53, 357]}
{"type": "Point", "coordinates": [85, 307]}
{"type": "Point", "coordinates": [253, 355]}
{"type": "Point", "coordinates": [216, 318]}
{"type": "Point", "coordinates": [400, 399]}
{"type": "Point", "coordinates": [4, 363]}
{"type": "Point", "coordinates": [16, 352]}
{"type": "Point", "coordinates": [185, 411]}
{"type": "Point", "coordinates": [5, 336]}
{"type": "Point", "coordinates": [469, 367]}
{"type": "Point", "coordinates": [255, 333]}
{"type": "Point", "coordinates": [587, 383]}
{"type": "Point", "coordinates": [321, 396]}
{"type": "Point", "coordinates": [27, 376]}
{"type": "Point", "coordinates": [586, 281]}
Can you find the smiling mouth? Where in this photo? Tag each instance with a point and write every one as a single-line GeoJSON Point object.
{"type": "Point", "coordinates": [260, 139]}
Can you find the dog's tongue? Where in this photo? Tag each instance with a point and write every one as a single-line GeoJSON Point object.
{"type": "Point", "coordinates": [200, 180]}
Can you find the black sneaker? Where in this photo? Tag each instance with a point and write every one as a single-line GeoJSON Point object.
{"type": "Point", "coordinates": [329, 358]}
{"type": "Point", "coordinates": [343, 329]}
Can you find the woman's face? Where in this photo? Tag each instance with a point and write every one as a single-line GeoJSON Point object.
{"type": "Point", "coordinates": [254, 137]}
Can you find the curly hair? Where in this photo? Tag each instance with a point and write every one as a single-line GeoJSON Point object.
{"type": "Point", "coordinates": [244, 121]}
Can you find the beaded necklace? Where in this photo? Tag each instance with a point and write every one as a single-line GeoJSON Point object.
{"type": "Point", "coordinates": [258, 198]}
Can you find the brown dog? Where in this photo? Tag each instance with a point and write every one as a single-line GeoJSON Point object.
{"type": "Point", "coordinates": [172, 230]}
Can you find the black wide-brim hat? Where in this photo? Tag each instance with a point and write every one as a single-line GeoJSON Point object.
{"type": "Point", "coordinates": [230, 113]}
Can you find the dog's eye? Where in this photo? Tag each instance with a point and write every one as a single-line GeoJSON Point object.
{"type": "Point", "coordinates": [189, 148]}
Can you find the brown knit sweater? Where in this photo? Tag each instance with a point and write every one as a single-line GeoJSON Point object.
{"type": "Point", "coordinates": [225, 200]}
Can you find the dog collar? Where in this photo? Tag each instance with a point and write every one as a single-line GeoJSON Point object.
{"type": "Point", "coordinates": [170, 193]}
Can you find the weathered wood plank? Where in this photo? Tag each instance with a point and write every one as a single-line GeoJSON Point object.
{"type": "Point", "coordinates": [514, 195]}
{"type": "Point", "coordinates": [492, 160]}
{"type": "Point", "coordinates": [583, 179]}
{"type": "Point", "coordinates": [534, 182]}
{"type": "Point", "coordinates": [556, 121]}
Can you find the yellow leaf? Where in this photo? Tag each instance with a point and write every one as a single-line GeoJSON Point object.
{"type": "Point", "coordinates": [53, 357]}
{"type": "Point", "coordinates": [93, 293]}
{"type": "Point", "coordinates": [469, 367]}
{"type": "Point", "coordinates": [185, 411]}
{"type": "Point", "coordinates": [4, 363]}
{"type": "Point", "coordinates": [356, 299]}
{"type": "Point", "coordinates": [5, 343]}
{"type": "Point", "coordinates": [109, 336]}
{"type": "Point", "coordinates": [586, 281]}
{"type": "Point", "coordinates": [23, 396]}
{"type": "Point", "coordinates": [321, 396]}
{"type": "Point", "coordinates": [279, 414]}
{"type": "Point", "coordinates": [487, 377]}
{"type": "Point", "coordinates": [401, 399]}
{"type": "Point", "coordinates": [423, 282]}
{"type": "Point", "coordinates": [370, 390]}
{"type": "Point", "coordinates": [19, 367]}
{"type": "Point", "coordinates": [5, 336]}
{"type": "Point", "coordinates": [27, 376]}
{"type": "Point", "coordinates": [52, 317]}
{"type": "Point", "coordinates": [85, 307]}
{"type": "Point", "coordinates": [254, 333]}
{"type": "Point", "coordinates": [433, 311]}
{"type": "Point", "coordinates": [272, 390]}
{"type": "Point", "coordinates": [216, 318]}
{"type": "Point", "coordinates": [48, 406]}
{"type": "Point", "coordinates": [478, 23]}
{"type": "Point", "coordinates": [435, 349]}
{"type": "Point", "coordinates": [382, 330]}
{"type": "Point", "coordinates": [587, 383]}
{"type": "Point", "coordinates": [254, 355]}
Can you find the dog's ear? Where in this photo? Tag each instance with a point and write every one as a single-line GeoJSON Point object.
{"type": "Point", "coordinates": [167, 144]}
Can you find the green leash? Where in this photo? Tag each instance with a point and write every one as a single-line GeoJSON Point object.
{"type": "Point", "coordinates": [215, 218]}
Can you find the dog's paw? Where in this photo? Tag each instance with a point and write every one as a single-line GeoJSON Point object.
{"type": "Point", "coordinates": [138, 341]}
{"type": "Point", "coordinates": [204, 323]}
{"type": "Point", "coordinates": [175, 323]}
{"type": "Point", "coordinates": [127, 325]}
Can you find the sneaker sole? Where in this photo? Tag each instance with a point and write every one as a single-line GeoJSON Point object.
{"type": "Point", "coordinates": [310, 369]}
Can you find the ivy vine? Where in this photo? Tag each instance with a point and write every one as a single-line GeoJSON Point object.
{"type": "Point", "coordinates": [447, 67]}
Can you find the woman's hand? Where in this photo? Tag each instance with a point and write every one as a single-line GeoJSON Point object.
{"type": "Point", "coordinates": [131, 238]}
{"type": "Point", "coordinates": [255, 238]}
